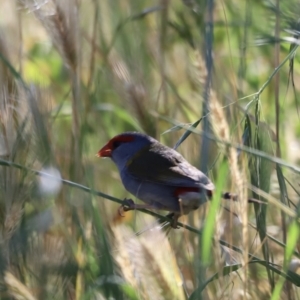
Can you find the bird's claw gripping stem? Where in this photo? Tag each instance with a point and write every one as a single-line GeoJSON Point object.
{"type": "Point", "coordinates": [127, 205]}
{"type": "Point", "coordinates": [174, 222]}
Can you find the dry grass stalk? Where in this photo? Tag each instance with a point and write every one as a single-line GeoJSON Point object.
{"type": "Point", "coordinates": [148, 263]}
{"type": "Point", "coordinates": [133, 92]}
{"type": "Point", "coordinates": [221, 130]}
{"type": "Point", "coordinates": [61, 21]}
{"type": "Point", "coordinates": [17, 289]}
{"type": "Point", "coordinates": [59, 18]}
{"type": "Point", "coordinates": [7, 86]}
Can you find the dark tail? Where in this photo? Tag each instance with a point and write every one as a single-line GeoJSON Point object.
{"type": "Point", "coordinates": [233, 197]}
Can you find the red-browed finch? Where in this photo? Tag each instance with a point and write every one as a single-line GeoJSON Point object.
{"type": "Point", "coordinates": [157, 174]}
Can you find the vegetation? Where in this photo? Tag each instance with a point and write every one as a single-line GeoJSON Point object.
{"type": "Point", "coordinates": [218, 79]}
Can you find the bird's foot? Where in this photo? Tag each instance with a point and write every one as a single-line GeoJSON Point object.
{"type": "Point", "coordinates": [174, 223]}
{"type": "Point", "coordinates": [174, 220]}
{"type": "Point", "coordinates": [128, 204]}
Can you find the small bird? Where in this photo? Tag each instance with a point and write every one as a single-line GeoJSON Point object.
{"type": "Point", "coordinates": [157, 175]}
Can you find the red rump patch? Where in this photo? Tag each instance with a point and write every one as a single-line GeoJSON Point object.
{"type": "Point", "coordinates": [182, 190]}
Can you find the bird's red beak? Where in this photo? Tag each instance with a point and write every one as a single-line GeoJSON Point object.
{"type": "Point", "coordinates": [105, 151]}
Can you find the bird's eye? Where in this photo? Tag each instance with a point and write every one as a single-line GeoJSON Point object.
{"type": "Point", "coordinates": [116, 144]}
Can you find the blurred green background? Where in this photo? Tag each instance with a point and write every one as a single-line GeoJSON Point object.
{"type": "Point", "coordinates": [75, 73]}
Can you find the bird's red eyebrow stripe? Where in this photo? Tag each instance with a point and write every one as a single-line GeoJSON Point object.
{"type": "Point", "coordinates": [122, 138]}
{"type": "Point", "coordinates": [106, 150]}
